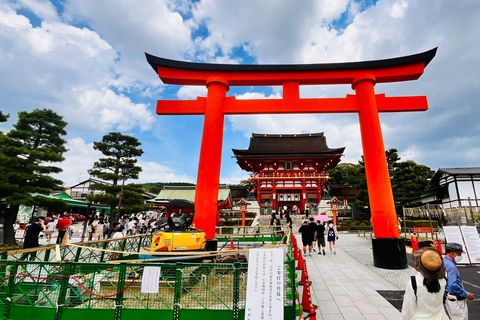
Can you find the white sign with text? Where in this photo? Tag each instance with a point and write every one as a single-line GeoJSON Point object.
{"type": "Point", "coordinates": [265, 284]}
{"type": "Point", "coordinates": [472, 242]}
{"type": "Point", "coordinates": [150, 279]}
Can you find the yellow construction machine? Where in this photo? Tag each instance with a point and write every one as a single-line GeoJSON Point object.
{"type": "Point", "coordinates": [176, 233]}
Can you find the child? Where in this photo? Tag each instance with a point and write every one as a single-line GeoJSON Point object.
{"type": "Point", "coordinates": [332, 235]}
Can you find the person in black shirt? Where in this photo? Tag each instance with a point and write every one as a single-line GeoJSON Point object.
{"type": "Point", "coordinates": [31, 237]}
{"type": "Point", "coordinates": [313, 225]}
{"type": "Point", "coordinates": [320, 231]}
{"type": "Point", "coordinates": [307, 237]}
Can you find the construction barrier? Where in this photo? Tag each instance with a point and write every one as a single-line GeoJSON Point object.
{"type": "Point", "coordinates": [86, 285]}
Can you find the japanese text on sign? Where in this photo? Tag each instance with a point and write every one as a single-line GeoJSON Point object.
{"type": "Point", "coordinates": [265, 284]}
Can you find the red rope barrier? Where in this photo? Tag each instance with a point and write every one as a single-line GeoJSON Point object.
{"type": "Point", "coordinates": [73, 278]}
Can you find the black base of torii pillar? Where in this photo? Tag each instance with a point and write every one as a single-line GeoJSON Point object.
{"type": "Point", "coordinates": [389, 253]}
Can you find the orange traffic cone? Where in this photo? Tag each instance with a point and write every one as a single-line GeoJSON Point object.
{"type": "Point", "coordinates": [312, 314]}
{"type": "Point", "coordinates": [300, 263]}
{"type": "Point", "coordinates": [306, 298]}
{"type": "Point", "coordinates": [232, 247]}
{"type": "Point", "coordinates": [414, 244]}
{"type": "Point", "coordinates": [439, 247]}
{"type": "Point", "coordinates": [304, 277]}
{"type": "Point", "coordinates": [296, 255]}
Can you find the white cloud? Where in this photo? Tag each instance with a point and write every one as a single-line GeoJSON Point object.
{"type": "Point", "coordinates": [132, 28]}
{"type": "Point", "coordinates": [155, 172]}
{"type": "Point", "coordinates": [191, 92]}
{"type": "Point", "coordinates": [80, 158]}
{"type": "Point", "coordinates": [43, 9]}
{"type": "Point", "coordinates": [64, 68]}
{"type": "Point", "coordinates": [104, 110]}
{"type": "Point", "coordinates": [270, 31]}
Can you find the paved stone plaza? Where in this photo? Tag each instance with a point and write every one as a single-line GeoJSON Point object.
{"type": "Point", "coordinates": [345, 285]}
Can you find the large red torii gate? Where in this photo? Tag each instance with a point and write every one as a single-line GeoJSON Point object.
{"type": "Point", "coordinates": [362, 76]}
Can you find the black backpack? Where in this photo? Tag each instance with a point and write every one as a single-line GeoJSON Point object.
{"type": "Point", "coordinates": [331, 232]}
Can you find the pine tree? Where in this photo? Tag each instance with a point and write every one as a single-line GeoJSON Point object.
{"type": "Point", "coordinates": [119, 149]}
{"type": "Point", "coordinates": [26, 156]}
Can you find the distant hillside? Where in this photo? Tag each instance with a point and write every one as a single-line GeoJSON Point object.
{"type": "Point", "coordinates": [155, 187]}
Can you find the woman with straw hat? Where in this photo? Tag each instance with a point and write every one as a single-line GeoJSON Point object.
{"type": "Point", "coordinates": [425, 291]}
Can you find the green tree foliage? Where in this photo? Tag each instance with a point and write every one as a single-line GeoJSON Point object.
{"type": "Point", "coordinates": [119, 149]}
{"type": "Point", "coordinates": [346, 174]}
{"type": "Point", "coordinates": [27, 154]}
{"type": "Point", "coordinates": [246, 182]}
{"type": "Point", "coordinates": [3, 117]}
{"type": "Point", "coordinates": [409, 180]}
{"type": "Point", "coordinates": [153, 189]}
{"type": "Point", "coordinates": [156, 187]}
{"type": "Point", "coordinates": [132, 200]}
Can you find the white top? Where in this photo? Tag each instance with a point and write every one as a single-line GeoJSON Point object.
{"type": "Point", "coordinates": [99, 226]}
{"type": "Point", "coordinates": [428, 305]}
{"type": "Point", "coordinates": [51, 226]}
{"type": "Point", "coordinates": [131, 225]}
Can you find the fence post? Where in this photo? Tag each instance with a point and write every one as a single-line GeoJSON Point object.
{"type": "Point", "coordinates": [178, 291]}
{"type": "Point", "coordinates": [11, 284]}
{"type": "Point", "coordinates": [77, 255]}
{"type": "Point", "coordinates": [292, 273]}
{"type": "Point", "coordinates": [120, 285]}
{"type": "Point", "coordinates": [63, 291]}
{"type": "Point", "coordinates": [3, 267]}
{"type": "Point", "coordinates": [140, 243]}
{"type": "Point", "coordinates": [236, 289]}
{"type": "Point", "coordinates": [102, 254]}
{"type": "Point", "coordinates": [122, 248]}
{"type": "Point", "coordinates": [47, 255]}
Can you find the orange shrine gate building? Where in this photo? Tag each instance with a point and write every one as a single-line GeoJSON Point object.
{"type": "Point", "coordinates": [288, 169]}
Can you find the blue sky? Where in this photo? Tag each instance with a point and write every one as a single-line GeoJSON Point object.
{"type": "Point", "coordinates": [85, 60]}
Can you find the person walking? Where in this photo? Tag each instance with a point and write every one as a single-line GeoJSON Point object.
{"type": "Point", "coordinates": [288, 219]}
{"type": "Point", "coordinates": [62, 226]}
{"type": "Point", "coordinates": [332, 235]}
{"type": "Point", "coordinates": [425, 290]}
{"type": "Point", "coordinates": [456, 295]}
{"type": "Point", "coordinates": [31, 238]}
{"type": "Point", "coordinates": [99, 230]}
{"type": "Point", "coordinates": [313, 226]}
{"type": "Point", "coordinates": [50, 229]}
{"type": "Point", "coordinates": [90, 230]}
{"type": "Point", "coordinates": [320, 230]}
{"type": "Point", "coordinates": [307, 237]}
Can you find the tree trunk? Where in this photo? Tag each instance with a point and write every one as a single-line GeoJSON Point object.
{"type": "Point", "coordinates": [113, 216]}
{"type": "Point", "coordinates": [10, 218]}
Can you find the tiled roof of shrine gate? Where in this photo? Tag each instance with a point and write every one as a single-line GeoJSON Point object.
{"type": "Point", "coordinates": [288, 144]}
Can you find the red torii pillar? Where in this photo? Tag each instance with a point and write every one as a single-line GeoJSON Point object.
{"type": "Point", "coordinates": [362, 76]}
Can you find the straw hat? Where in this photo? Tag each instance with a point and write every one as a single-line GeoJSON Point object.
{"type": "Point", "coordinates": [431, 260]}
{"type": "Point", "coordinates": [428, 261]}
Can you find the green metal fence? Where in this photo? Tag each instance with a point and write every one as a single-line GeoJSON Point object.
{"type": "Point", "coordinates": [85, 286]}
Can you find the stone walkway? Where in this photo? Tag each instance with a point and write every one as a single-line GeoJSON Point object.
{"type": "Point", "coordinates": [344, 286]}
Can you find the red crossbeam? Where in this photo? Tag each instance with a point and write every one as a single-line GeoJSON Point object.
{"type": "Point", "coordinates": [349, 104]}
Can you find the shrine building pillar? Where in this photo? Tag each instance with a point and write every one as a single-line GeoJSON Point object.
{"type": "Point", "coordinates": [206, 196]}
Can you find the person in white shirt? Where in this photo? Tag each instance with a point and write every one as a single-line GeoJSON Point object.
{"type": "Point", "coordinates": [50, 229]}
{"type": "Point", "coordinates": [425, 291]}
{"type": "Point", "coordinates": [99, 230]}
{"type": "Point", "coordinates": [131, 227]}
